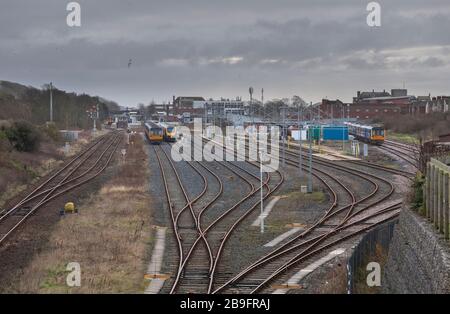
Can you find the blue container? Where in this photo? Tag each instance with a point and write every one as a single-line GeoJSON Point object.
{"type": "Point", "coordinates": [335, 133]}
{"type": "Point", "coordinates": [328, 132]}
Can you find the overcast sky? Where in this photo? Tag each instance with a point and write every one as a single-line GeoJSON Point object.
{"type": "Point", "coordinates": [218, 48]}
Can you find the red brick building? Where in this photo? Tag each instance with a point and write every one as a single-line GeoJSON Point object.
{"type": "Point", "coordinates": [368, 105]}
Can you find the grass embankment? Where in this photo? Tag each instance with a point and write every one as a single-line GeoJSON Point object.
{"type": "Point", "coordinates": [109, 237]}
{"type": "Point", "coordinates": [19, 169]}
{"type": "Point", "coordinates": [402, 138]}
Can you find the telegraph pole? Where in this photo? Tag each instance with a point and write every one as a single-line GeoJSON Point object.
{"type": "Point", "coordinates": [262, 103]}
{"type": "Point", "coordinates": [51, 102]}
{"type": "Point", "coordinates": [284, 135]}
{"type": "Point", "coordinates": [300, 139]}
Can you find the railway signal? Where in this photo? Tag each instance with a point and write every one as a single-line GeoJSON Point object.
{"type": "Point", "coordinates": [93, 114]}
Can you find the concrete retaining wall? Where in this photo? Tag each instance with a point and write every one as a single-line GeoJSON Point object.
{"type": "Point", "coordinates": [419, 258]}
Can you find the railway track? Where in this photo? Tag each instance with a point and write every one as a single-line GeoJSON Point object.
{"type": "Point", "coordinates": [195, 273]}
{"type": "Point", "coordinates": [405, 152]}
{"type": "Point", "coordinates": [277, 261]}
{"type": "Point", "coordinates": [200, 250]}
{"type": "Point", "coordinates": [86, 166]}
{"type": "Point", "coordinates": [407, 174]}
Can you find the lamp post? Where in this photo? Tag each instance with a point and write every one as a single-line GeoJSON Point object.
{"type": "Point", "coordinates": [300, 139]}
{"type": "Point", "coordinates": [310, 187]}
{"type": "Point", "coordinates": [261, 188]}
{"type": "Point", "coordinates": [51, 102]}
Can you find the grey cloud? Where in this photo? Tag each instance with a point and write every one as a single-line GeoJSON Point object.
{"type": "Point", "coordinates": [193, 46]}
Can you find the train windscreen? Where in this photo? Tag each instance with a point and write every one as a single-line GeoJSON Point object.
{"type": "Point", "coordinates": [156, 131]}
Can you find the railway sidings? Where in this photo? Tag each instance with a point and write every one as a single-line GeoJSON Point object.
{"type": "Point", "coordinates": [212, 206]}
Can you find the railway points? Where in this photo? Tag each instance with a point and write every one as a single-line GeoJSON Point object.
{"type": "Point", "coordinates": [358, 200]}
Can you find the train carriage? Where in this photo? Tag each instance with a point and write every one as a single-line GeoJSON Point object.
{"type": "Point", "coordinates": [169, 132]}
{"type": "Point", "coordinates": [373, 134]}
{"type": "Point", "coordinates": [154, 133]}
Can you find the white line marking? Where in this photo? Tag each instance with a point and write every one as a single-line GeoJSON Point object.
{"type": "Point", "coordinates": [283, 236]}
{"type": "Point", "coordinates": [295, 280]}
{"type": "Point", "coordinates": [154, 267]}
{"type": "Point", "coordinates": [266, 211]}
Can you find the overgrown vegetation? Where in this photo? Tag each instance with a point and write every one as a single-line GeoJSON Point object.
{"type": "Point", "coordinates": [20, 102]}
{"type": "Point", "coordinates": [23, 136]}
{"type": "Point", "coordinates": [51, 131]}
{"type": "Point", "coordinates": [423, 126]}
{"type": "Point", "coordinates": [110, 237]}
{"type": "Point", "coordinates": [416, 195]}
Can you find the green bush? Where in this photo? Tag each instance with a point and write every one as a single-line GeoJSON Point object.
{"type": "Point", "coordinates": [417, 197]}
{"type": "Point", "coordinates": [23, 136]}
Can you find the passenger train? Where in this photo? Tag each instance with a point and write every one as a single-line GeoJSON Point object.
{"type": "Point", "coordinates": [169, 132]}
{"type": "Point", "coordinates": [154, 132]}
{"type": "Point", "coordinates": [160, 132]}
{"type": "Point", "coordinates": [367, 133]}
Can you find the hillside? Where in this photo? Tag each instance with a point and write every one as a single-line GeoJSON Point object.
{"type": "Point", "coordinates": [32, 104]}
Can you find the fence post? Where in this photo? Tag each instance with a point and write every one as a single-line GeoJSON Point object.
{"type": "Point", "coordinates": [440, 220]}
{"type": "Point", "coordinates": [427, 197]}
{"type": "Point", "coordinates": [446, 205]}
{"type": "Point", "coordinates": [433, 194]}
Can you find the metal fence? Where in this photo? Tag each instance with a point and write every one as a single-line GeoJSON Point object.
{"type": "Point", "coordinates": [437, 196]}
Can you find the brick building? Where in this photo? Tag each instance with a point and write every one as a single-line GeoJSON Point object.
{"type": "Point", "coordinates": [369, 105]}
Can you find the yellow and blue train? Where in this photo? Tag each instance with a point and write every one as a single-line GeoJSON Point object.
{"type": "Point", "coordinates": [373, 134]}
{"type": "Point", "coordinates": [169, 132]}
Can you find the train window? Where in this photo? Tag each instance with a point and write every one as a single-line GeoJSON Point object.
{"type": "Point", "coordinates": [156, 131]}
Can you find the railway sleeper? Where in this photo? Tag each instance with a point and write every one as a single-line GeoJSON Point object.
{"type": "Point", "coordinates": [22, 211]}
